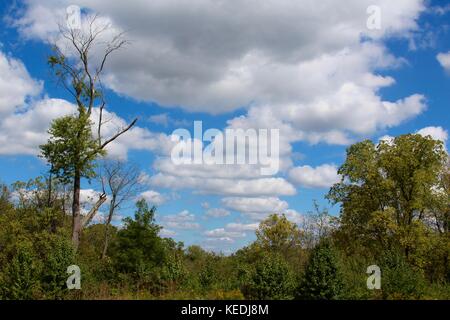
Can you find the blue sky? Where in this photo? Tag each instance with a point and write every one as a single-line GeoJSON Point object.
{"type": "Point", "coordinates": [317, 74]}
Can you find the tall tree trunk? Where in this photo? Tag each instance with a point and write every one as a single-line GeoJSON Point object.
{"type": "Point", "coordinates": [76, 217]}
{"type": "Point", "coordinates": [54, 221]}
{"type": "Point", "coordinates": [108, 222]}
{"type": "Point", "coordinates": [49, 198]}
{"type": "Point", "coordinates": [106, 243]}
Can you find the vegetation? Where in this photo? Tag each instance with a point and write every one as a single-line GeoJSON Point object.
{"type": "Point", "coordinates": [72, 149]}
{"type": "Point", "coordinates": [321, 280]}
{"type": "Point", "coordinates": [394, 214]}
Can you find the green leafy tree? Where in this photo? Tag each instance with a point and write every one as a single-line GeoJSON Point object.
{"type": "Point", "coordinates": [439, 202]}
{"type": "Point", "coordinates": [174, 271]}
{"type": "Point", "coordinates": [45, 194]}
{"type": "Point", "coordinates": [277, 234]}
{"type": "Point", "coordinates": [316, 225]}
{"type": "Point", "coordinates": [393, 179]}
{"type": "Point", "coordinates": [71, 149]}
{"type": "Point", "coordinates": [322, 279]}
{"type": "Point", "coordinates": [138, 249]}
{"type": "Point", "coordinates": [270, 279]}
{"type": "Point", "coordinates": [5, 195]}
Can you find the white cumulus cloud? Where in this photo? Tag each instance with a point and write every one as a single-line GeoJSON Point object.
{"type": "Point", "coordinates": [153, 197]}
{"type": "Point", "coordinates": [437, 133]}
{"type": "Point", "coordinates": [323, 176]}
{"type": "Point", "coordinates": [444, 60]}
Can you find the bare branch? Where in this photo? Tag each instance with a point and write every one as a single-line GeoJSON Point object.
{"type": "Point", "coordinates": [99, 129]}
{"type": "Point", "coordinates": [104, 144]}
{"type": "Point", "coordinates": [88, 218]}
{"type": "Point", "coordinates": [116, 43]}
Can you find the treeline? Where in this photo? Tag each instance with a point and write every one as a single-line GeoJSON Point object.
{"type": "Point", "coordinates": [395, 210]}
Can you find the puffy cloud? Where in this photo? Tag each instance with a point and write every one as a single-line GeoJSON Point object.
{"type": "Point", "coordinates": [137, 138]}
{"type": "Point", "coordinates": [165, 120]}
{"type": "Point", "coordinates": [225, 171]}
{"type": "Point", "coordinates": [25, 118]}
{"type": "Point", "coordinates": [323, 176]}
{"type": "Point", "coordinates": [294, 66]}
{"type": "Point", "coordinates": [242, 227]}
{"type": "Point", "coordinates": [220, 179]}
{"type": "Point", "coordinates": [16, 85]}
{"type": "Point", "coordinates": [248, 54]}
{"type": "Point", "coordinates": [444, 60]}
{"type": "Point", "coordinates": [294, 216]}
{"type": "Point", "coordinates": [23, 132]}
{"type": "Point", "coordinates": [217, 212]}
{"type": "Point", "coordinates": [337, 85]}
{"type": "Point", "coordinates": [167, 233]}
{"type": "Point", "coordinates": [89, 196]}
{"type": "Point", "coordinates": [238, 187]}
{"type": "Point", "coordinates": [258, 209]}
{"type": "Point", "coordinates": [101, 217]}
{"type": "Point", "coordinates": [153, 197]}
{"type": "Point", "coordinates": [386, 138]}
{"type": "Point", "coordinates": [255, 205]}
{"type": "Point", "coordinates": [230, 232]}
{"type": "Point", "coordinates": [218, 241]}
{"type": "Point", "coordinates": [183, 220]}
{"type": "Point", "coordinates": [437, 133]}
{"type": "Point", "coordinates": [221, 233]}
{"type": "Point", "coordinates": [326, 119]}
{"type": "Point", "coordinates": [302, 78]}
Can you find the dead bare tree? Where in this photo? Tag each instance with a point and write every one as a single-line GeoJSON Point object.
{"type": "Point", "coordinates": [123, 183]}
{"type": "Point", "coordinates": [317, 224]}
{"type": "Point", "coordinates": [79, 67]}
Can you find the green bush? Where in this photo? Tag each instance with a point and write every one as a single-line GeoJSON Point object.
{"type": "Point", "coordinates": [398, 279]}
{"type": "Point", "coordinates": [20, 280]}
{"type": "Point", "coordinates": [59, 255]}
{"type": "Point", "coordinates": [207, 276]}
{"type": "Point", "coordinates": [322, 279]}
{"type": "Point", "coordinates": [354, 278]}
{"type": "Point", "coordinates": [271, 279]}
{"type": "Point", "coordinates": [138, 249]}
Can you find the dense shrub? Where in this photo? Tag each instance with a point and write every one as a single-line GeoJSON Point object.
{"type": "Point", "coordinates": [271, 279]}
{"type": "Point", "coordinates": [138, 249]}
{"type": "Point", "coordinates": [399, 280]}
{"type": "Point", "coordinates": [58, 256]}
{"type": "Point", "coordinates": [20, 279]}
{"type": "Point", "coordinates": [322, 279]}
